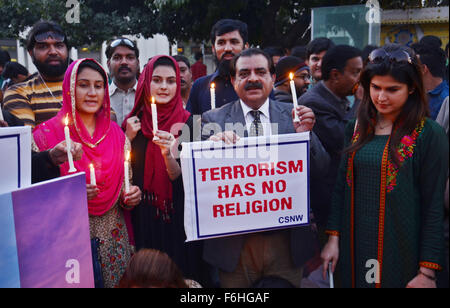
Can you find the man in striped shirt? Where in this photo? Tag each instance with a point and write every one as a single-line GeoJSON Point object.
{"type": "Point", "coordinates": [40, 98]}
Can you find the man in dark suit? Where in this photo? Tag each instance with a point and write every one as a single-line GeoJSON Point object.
{"type": "Point", "coordinates": [341, 66]}
{"type": "Point", "coordinates": [243, 259]}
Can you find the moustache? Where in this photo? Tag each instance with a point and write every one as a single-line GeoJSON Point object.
{"type": "Point", "coordinates": [124, 68]}
{"type": "Point", "coordinates": [253, 86]}
{"type": "Point", "coordinates": [226, 54]}
{"type": "Point", "coordinates": [47, 61]}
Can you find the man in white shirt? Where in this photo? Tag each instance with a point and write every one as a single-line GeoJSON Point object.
{"type": "Point", "coordinates": [123, 65]}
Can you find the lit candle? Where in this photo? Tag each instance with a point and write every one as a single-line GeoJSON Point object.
{"type": "Point", "coordinates": [127, 179]}
{"type": "Point", "coordinates": [294, 96]}
{"type": "Point", "coordinates": [68, 145]}
{"type": "Point", "coordinates": [213, 96]}
{"type": "Point", "coordinates": [154, 116]}
{"type": "Point", "coordinates": [93, 181]}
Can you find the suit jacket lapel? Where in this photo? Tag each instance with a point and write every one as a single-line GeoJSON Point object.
{"type": "Point", "coordinates": [281, 121]}
{"type": "Point", "coordinates": [236, 115]}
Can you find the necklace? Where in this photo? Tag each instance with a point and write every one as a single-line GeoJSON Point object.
{"type": "Point", "coordinates": [45, 84]}
{"type": "Point", "coordinates": [380, 126]}
{"type": "Point", "coordinates": [383, 123]}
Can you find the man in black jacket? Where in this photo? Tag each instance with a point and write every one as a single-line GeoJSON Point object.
{"type": "Point", "coordinates": [341, 67]}
{"type": "Point", "coordinates": [300, 71]}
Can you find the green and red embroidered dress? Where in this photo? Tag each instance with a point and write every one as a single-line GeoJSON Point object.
{"type": "Point", "coordinates": [391, 214]}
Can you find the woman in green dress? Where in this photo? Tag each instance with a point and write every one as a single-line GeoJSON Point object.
{"type": "Point", "coordinates": [386, 221]}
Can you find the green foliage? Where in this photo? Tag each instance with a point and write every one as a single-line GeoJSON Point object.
{"type": "Point", "coordinates": [271, 22]}
{"type": "Point", "coordinates": [100, 20]}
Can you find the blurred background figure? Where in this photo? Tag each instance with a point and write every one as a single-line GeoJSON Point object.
{"type": "Point", "coordinates": [15, 72]}
{"type": "Point", "coordinates": [151, 268]}
{"type": "Point", "coordinates": [276, 53]}
{"type": "Point", "coordinates": [186, 77]}
{"type": "Point", "coordinates": [198, 69]}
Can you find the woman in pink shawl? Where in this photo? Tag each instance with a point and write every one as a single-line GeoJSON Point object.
{"type": "Point", "coordinates": [86, 105]}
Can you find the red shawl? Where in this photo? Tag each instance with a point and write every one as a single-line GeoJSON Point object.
{"type": "Point", "coordinates": [170, 116]}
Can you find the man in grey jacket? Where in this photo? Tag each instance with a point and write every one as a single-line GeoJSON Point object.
{"type": "Point", "coordinates": [243, 259]}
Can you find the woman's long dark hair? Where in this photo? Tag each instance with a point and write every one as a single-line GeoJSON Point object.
{"type": "Point", "coordinates": [414, 110]}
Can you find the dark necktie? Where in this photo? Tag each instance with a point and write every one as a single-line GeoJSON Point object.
{"type": "Point", "coordinates": [256, 128]}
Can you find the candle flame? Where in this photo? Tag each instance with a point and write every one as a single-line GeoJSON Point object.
{"type": "Point", "coordinates": [128, 156]}
{"type": "Point", "coordinates": [153, 99]}
{"type": "Point", "coordinates": [291, 76]}
{"type": "Point", "coordinates": [91, 166]}
{"type": "Point", "coordinates": [66, 120]}
{"type": "Point", "coordinates": [213, 85]}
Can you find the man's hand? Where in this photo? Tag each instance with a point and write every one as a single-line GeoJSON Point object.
{"type": "Point", "coordinates": [3, 123]}
{"type": "Point", "coordinates": [227, 137]}
{"type": "Point", "coordinates": [58, 154]}
{"type": "Point", "coordinates": [307, 119]}
{"type": "Point", "coordinates": [133, 127]}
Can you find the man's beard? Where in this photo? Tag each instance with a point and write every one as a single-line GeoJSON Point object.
{"type": "Point", "coordinates": [301, 91]}
{"type": "Point", "coordinates": [223, 67]}
{"type": "Point", "coordinates": [124, 80]}
{"type": "Point", "coordinates": [50, 70]}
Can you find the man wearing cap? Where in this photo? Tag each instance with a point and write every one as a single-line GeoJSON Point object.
{"type": "Point", "coordinates": [123, 65]}
{"type": "Point", "coordinates": [300, 71]}
{"type": "Point", "coordinates": [40, 98]}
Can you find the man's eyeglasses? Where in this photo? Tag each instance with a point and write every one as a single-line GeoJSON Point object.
{"type": "Point", "coordinates": [121, 41]}
{"type": "Point", "coordinates": [379, 55]}
{"type": "Point", "coordinates": [305, 77]}
{"type": "Point", "coordinates": [42, 37]}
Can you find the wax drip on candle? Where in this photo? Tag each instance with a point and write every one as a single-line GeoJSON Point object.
{"type": "Point", "coordinates": [126, 170]}
{"type": "Point", "coordinates": [68, 145]}
{"type": "Point", "coordinates": [213, 95]}
{"type": "Point", "coordinates": [294, 97]}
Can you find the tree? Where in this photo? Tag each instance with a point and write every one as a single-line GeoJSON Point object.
{"type": "Point", "coordinates": [271, 22]}
{"type": "Point", "coordinates": [99, 20]}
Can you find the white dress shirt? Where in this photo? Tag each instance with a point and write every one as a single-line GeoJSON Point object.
{"type": "Point", "coordinates": [121, 102]}
{"type": "Point", "coordinates": [264, 117]}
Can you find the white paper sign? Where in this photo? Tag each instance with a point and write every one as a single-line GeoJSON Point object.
{"type": "Point", "coordinates": [15, 158]}
{"type": "Point", "coordinates": [258, 184]}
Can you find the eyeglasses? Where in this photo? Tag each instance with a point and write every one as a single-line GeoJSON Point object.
{"type": "Point", "coordinates": [305, 77]}
{"type": "Point", "coordinates": [120, 41]}
{"type": "Point", "coordinates": [379, 55]}
{"type": "Point", "coordinates": [42, 37]}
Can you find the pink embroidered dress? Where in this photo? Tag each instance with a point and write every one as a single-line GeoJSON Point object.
{"type": "Point", "coordinates": [106, 151]}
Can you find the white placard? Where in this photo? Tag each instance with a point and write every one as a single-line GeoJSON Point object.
{"type": "Point", "coordinates": [15, 158]}
{"type": "Point", "coordinates": [258, 184]}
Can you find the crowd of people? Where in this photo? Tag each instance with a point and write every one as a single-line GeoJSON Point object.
{"type": "Point", "coordinates": [378, 123]}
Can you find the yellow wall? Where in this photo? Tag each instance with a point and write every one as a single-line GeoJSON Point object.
{"type": "Point", "coordinates": [407, 34]}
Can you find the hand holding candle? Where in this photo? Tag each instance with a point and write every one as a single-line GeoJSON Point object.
{"type": "Point", "coordinates": [127, 166]}
{"type": "Point", "coordinates": [93, 180]}
{"type": "Point", "coordinates": [294, 96]}
{"type": "Point", "coordinates": [154, 118]}
{"type": "Point", "coordinates": [213, 96]}
{"type": "Point", "coordinates": [69, 145]}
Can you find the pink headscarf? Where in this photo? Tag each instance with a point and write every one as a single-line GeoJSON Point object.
{"type": "Point", "coordinates": [105, 150]}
